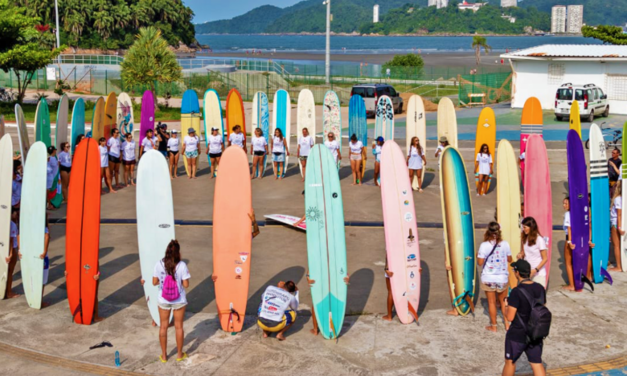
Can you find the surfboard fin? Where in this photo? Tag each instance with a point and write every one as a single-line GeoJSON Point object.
{"type": "Point", "coordinates": [333, 328]}
{"type": "Point", "coordinates": [607, 276]}
{"type": "Point", "coordinates": [585, 280]}
{"type": "Point", "coordinates": [79, 310]}
{"type": "Point", "coordinates": [468, 298]}
{"type": "Point", "coordinates": [413, 312]}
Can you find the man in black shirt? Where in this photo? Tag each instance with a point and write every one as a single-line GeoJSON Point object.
{"type": "Point", "coordinates": [162, 130]}
{"type": "Point", "coordinates": [516, 338]}
{"type": "Point", "coordinates": [613, 169]}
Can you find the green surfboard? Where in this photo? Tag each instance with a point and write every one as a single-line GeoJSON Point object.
{"type": "Point", "coordinates": [326, 241]}
{"type": "Point", "coordinates": [42, 123]}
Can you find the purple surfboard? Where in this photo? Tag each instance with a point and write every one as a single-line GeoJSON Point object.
{"type": "Point", "coordinates": [147, 116]}
{"type": "Point", "coordinates": [579, 208]}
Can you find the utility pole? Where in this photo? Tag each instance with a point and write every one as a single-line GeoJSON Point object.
{"type": "Point", "coordinates": [327, 62]}
{"type": "Point", "coordinates": [56, 11]}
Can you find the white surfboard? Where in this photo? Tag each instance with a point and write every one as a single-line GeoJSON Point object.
{"type": "Point", "coordinates": [289, 220]}
{"type": "Point", "coordinates": [306, 117]}
{"type": "Point", "coordinates": [124, 113]}
{"type": "Point", "coordinates": [416, 127]}
{"type": "Point", "coordinates": [155, 223]}
{"type": "Point", "coordinates": [61, 129]}
{"type": "Point", "coordinates": [288, 120]}
{"type": "Point", "coordinates": [22, 133]}
{"type": "Point", "coordinates": [33, 223]}
{"type": "Point", "coordinates": [6, 180]}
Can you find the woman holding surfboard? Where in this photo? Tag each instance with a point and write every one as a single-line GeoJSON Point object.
{"type": "Point", "coordinates": [483, 169]}
{"type": "Point", "coordinates": [416, 161]}
{"type": "Point", "coordinates": [305, 143]}
{"type": "Point", "coordinates": [616, 224]}
{"type": "Point", "coordinates": [534, 250]}
{"type": "Point", "coordinates": [258, 149]}
{"type": "Point", "coordinates": [215, 149]}
{"type": "Point", "coordinates": [104, 164]}
{"type": "Point", "coordinates": [65, 167]}
{"type": "Point", "coordinates": [279, 151]}
{"type": "Point", "coordinates": [377, 147]}
{"type": "Point", "coordinates": [355, 152]}
{"type": "Point", "coordinates": [191, 143]}
{"type": "Point", "coordinates": [128, 158]}
{"type": "Point", "coordinates": [333, 146]}
{"type": "Point", "coordinates": [173, 153]}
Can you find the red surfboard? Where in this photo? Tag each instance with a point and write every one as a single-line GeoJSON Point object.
{"type": "Point", "coordinates": [83, 231]}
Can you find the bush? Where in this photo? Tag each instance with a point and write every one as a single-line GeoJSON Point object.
{"type": "Point", "coordinates": [404, 64]}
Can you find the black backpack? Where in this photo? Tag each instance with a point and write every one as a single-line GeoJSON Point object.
{"type": "Point", "coordinates": [539, 324]}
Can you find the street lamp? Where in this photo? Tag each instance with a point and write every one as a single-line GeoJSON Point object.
{"type": "Point", "coordinates": [327, 60]}
{"type": "Point", "coordinates": [56, 11]}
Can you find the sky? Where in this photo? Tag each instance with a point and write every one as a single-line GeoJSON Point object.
{"type": "Point", "coordinates": [211, 10]}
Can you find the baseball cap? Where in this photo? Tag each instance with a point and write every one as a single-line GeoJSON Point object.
{"type": "Point", "coordinates": [521, 266]}
{"type": "Point", "coordinates": [174, 131]}
{"type": "Point", "coordinates": [380, 139]}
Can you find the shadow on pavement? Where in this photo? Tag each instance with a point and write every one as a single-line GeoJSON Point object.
{"type": "Point", "coordinates": [425, 287]}
{"type": "Point", "coordinates": [201, 296]}
{"type": "Point", "coordinates": [361, 283]}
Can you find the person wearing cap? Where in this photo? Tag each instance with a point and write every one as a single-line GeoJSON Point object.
{"type": "Point", "coordinates": [149, 142]}
{"type": "Point", "coordinates": [534, 250]}
{"type": "Point", "coordinates": [113, 144]}
{"type": "Point", "coordinates": [258, 149]}
{"type": "Point", "coordinates": [215, 144]}
{"type": "Point", "coordinates": [51, 174]}
{"type": "Point", "coordinates": [162, 131]}
{"type": "Point", "coordinates": [190, 151]}
{"type": "Point", "coordinates": [377, 147]}
{"type": "Point", "coordinates": [517, 304]}
{"type": "Point", "coordinates": [128, 158]}
{"type": "Point", "coordinates": [443, 144]}
{"type": "Point", "coordinates": [104, 164]}
{"type": "Point", "coordinates": [237, 137]}
{"type": "Point", "coordinates": [173, 153]}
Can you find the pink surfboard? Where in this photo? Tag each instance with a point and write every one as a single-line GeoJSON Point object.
{"type": "Point", "coordinates": [289, 220]}
{"type": "Point", "coordinates": [401, 233]}
{"type": "Point", "coordinates": [147, 115]}
{"type": "Point", "coordinates": [531, 123]}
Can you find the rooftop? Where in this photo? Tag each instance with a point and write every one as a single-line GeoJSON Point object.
{"type": "Point", "coordinates": [570, 51]}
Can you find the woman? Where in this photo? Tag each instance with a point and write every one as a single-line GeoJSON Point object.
{"type": "Point", "coordinates": [568, 246]}
{"type": "Point", "coordinates": [215, 149]}
{"type": "Point", "coordinates": [78, 140]}
{"type": "Point", "coordinates": [279, 151]}
{"type": "Point", "coordinates": [104, 165]}
{"type": "Point", "coordinates": [149, 142]}
{"type": "Point", "coordinates": [16, 185]}
{"type": "Point", "coordinates": [65, 167]}
{"type": "Point", "coordinates": [258, 149]}
{"type": "Point", "coordinates": [52, 170]}
{"type": "Point", "coordinates": [616, 222]}
{"type": "Point", "coordinates": [173, 153]}
{"type": "Point", "coordinates": [494, 257]}
{"type": "Point", "coordinates": [113, 144]}
{"type": "Point", "coordinates": [483, 169]}
{"type": "Point", "coordinates": [443, 144]}
{"type": "Point", "coordinates": [377, 147]}
{"type": "Point", "coordinates": [355, 152]}
{"type": "Point", "coordinates": [305, 143]}
{"type": "Point", "coordinates": [334, 147]}
{"type": "Point", "coordinates": [128, 158]}
{"type": "Point", "coordinates": [237, 137]}
{"type": "Point", "coordinates": [190, 151]}
{"type": "Point", "coordinates": [416, 161]}
{"type": "Point", "coordinates": [534, 251]}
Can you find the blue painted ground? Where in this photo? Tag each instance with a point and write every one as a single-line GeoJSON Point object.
{"type": "Point", "coordinates": [614, 372]}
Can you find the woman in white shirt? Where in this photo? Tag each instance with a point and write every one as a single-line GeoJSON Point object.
{"type": "Point", "coordinates": [190, 151]}
{"type": "Point", "coordinates": [355, 152]}
{"type": "Point", "coordinates": [377, 147]}
{"type": "Point", "coordinates": [258, 149]}
{"type": "Point", "coordinates": [128, 158]}
{"type": "Point", "coordinates": [173, 153]}
{"type": "Point", "coordinates": [104, 164]}
{"type": "Point", "coordinates": [215, 149]}
{"type": "Point", "coordinates": [483, 169]}
{"type": "Point", "coordinates": [568, 246]}
{"type": "Point", "coordinates": [237, 137]}
{"type": "Point", "coordinates": [65, 167]}
{"type": "Point", "coordinates": [51, 174]}
{"type": "Point", "coordinates": [305, 143]}
{"type": "Point", "coordinates": [416, 161]}
{"type": "Point", "coordinates": [616, 224]}
{"type": "Point", "coordinates": [494, 256]}
{"type": "Point", "coordinates": [149, 142]}
{"type": "Point", "coordinates": [279, 151]}
{"type": "Point", "coordinates": [113, 144]}
{"type": "Point", "coordinates": [443, 144]}
{"type": "Point", "coordinates": [334, 147]}
{"type": "Point", "coordinates": [535, 250]}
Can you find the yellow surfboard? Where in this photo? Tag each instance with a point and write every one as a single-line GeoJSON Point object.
{"type": "Point", "coordinates": [486, 134]}
{"type": "Point", "coordinates": [575, 117]}
{"type": "Point", "coordinates": [447, 121]}
{"type": "Point", "coordinates": [110, 116]}
{"type": "Point", "coordinates": [97, 121]}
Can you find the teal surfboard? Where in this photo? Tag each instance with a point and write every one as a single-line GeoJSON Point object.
{"type": "Point", "coordinates": [78, 121]}
{"type": "Point", "coordinates": [326, 242]}
{"type": "Point", "coordinates": [42, 123]}
{"type": "Point", "coordinates": [261, 119]}
{"type": "Point", "coordinates": [357, 124]}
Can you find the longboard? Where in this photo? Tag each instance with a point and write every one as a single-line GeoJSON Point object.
{"type": "Point", "coordinates": [447, 121]}
{"type": "Point", "coordinates": [62, 122]}
{"type": "Point", "coordinates": [575, 118]}
{"type": "Point", "coordinates": [147, 116]}
{"type": "Point", "coordinates": [97, 120]}
{"type": "Point", "coordinates": [82, 232]}
{"type": "Point", "coordinates": [190, 118]}
{"type": "Point", "coordinates": [6, 180]}
{"type": "Point", "coordinates": [384, 118]}
{"type": "Point", "coordinates": [282, 119]}
{"type": "Point", "coordinates": [234, 112]}
{"type": "Point", "coordinates": [326, 241]}
{"type": "Point", "coordinates": [358, 126]}
{"type": "Point", "coordinates": [42, 123]}
{"type": "Point", "coordinates": [261, 119]}
{"type": "Point", "coordinates": [531, 123]}
{"type": "Point", "coordinates": [332, 119]}
{"type": "Point", "coordinates": [486, 134]}
{"type": "Point", "coordinates": [78, 122]}
{"type": "Point", "coordinates": [305, 117]}
{"type": "Point", "coordinates": [124, 114]}
{"type": "Point", "coordinates": [289, 220]}
{"type": "Point", "coordinates": [401, 232]}
{"type": "Point", "coordinates": [232, 238]}
{"type": "Point", "coordinates": [110, 116]}
{"type": "Point", "coordinates": [416, 127]}
{"type": "Point", "coordinates": [22, 134]}
{"type": "Point", "coordinates": [2, 129]}
{"type": "Point", "coordinates": [212, 116]}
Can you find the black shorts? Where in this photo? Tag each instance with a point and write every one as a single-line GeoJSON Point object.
{"type": "Point", "coordinates": [513, 351]}
{"type": "Point", "coordinates": [173, 153]}
{"type": "Point", "coordinates": [259, 153]}
{"type": "Point", "coordinates": [216, 155]}
{"type": "Point", "coordinates": [129, 163]}
{"type": "Point", "coordinates": [113, 159]}
{"type": "Point", "coordinates": [65, 169]}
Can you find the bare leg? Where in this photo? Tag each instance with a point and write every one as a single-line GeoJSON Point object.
{"type": "Point", "coordinates": [509, 369]}
{"type": "Point", "coordinates": [501, 297]}
{"type": "Point", "coordinates": [164, 320]}
{"type": "Point", "coordinates": [179, 316]}
{"type": "Point", "coordinates": [280, 335]}
{"type": "Point", "coordinates": [132, 174]}
{"type": "Point", "coordinates": [616, 245]}
{"type": "Point", "coordinates": [538, 369]}
{"type": "Point", "coordinates": [491, 295]}
{"type": "Point", "coordinates": [390, 302]}
{"type": "Point", "coordinates": [314, 331]}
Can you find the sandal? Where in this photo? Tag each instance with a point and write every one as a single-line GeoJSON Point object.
{"type": "Point", "coordinates": [161, 359]}
{"type": "Point", "coordinates": [183, 358]}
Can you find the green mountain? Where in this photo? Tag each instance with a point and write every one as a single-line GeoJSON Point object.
{"type": "Point", "coordinates": [595, 12]}
{"type": "Point", "coordinates": [251, 22]}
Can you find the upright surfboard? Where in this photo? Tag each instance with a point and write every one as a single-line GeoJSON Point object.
{"type": "Point", "coordinates": [62, 122]}
{"type": "Point", "coordinates": [111, 116]}
{"type": "Point", "coordinates": [282, 119]}
{"type": "Point", "coordinates": [33, 223]}
{"type": "Point", "coordinates": [124, 114]}
{"type": "Point", "coordinates": [538, 195]}
{"type": "Point", "coordinates": [486, 134]}
{"type": "Point", "coordinates": [384, 118]}
{"type": "Point", "coordinates": [459, 232]}
{"type": "Point", "coordinates": [147, 117]}
{"type": "Point", "coordinates": [531, 123]}
{"type": "Point", "coordinates": [82, 232]}
{"type": "Point", "coordinates": [6, 180]}
{"type": "Point", "coordinates": [42, 123]}
{"type": "Point", "coordinates": [2, 129]}
{"type": "Point", "coordinates": [232, 238]}
{"type": "Point", "coordinates": [623, 243]}
{"type": "Point", "coordinates": [447, 121]}
{"type": "Point", "coordinates": [358, 126]}
{"type": "Point", "coordinates": [78, 121]}
{"type": "Point", "coordinates": [332, 119]}
{"type": "Point", "coordinates": [234, 112]}
{"type": "Point", "coordinates": [98, 119]}
{"type": "Point", "coordinates": [401, 233]}
{"type": "Point", "coordinates": [261, 120]}
{"type": "Point", "coordinates": [508, 201]}
{"type": "Point", "coordinates": [416, 127]}
{"type": "Point", "coordinates": [155, 223]}
{"type": "Point", "coordinates": [212, 115]}
{"type": "Point", "coordinates": [190, 118]}
{"type": "Point", "coordinates": [326, 241]}
{"type": "Point", "coordinates": [22, 133]}
{"type": "Point", "coordinates": [599, 181]}
{"type": "Point", "coordinates": [305, 117]}
{"type": "Point", "coordinates": [575, 118]}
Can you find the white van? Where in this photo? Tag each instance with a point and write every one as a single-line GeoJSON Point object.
{"type": "Point", "coordinates": [592, 101]}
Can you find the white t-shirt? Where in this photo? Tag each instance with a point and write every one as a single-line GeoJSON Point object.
{"type": "Point", "coordinates": [181, 273]}
{"type": "Point", "coordinates": [356, 147]}
{"type": "Point", "coordinates": [333, 147]}
{"type": "Point", "coordinates": [149, 145]}
{"type": "Point", "coordinates": [104, 156]}
{"type": "Point", "coordinates": [616, 204]}
{"type": "Point", "coordinates": [173, 144]}
{"type": "Point", "coordinates": [215, 144]}
{"type": "Point", "coordinates": [439, 149]}
{"type": "Point", "coordinates": [305, 143]}
{"type": "Point", "coordinates": [277, 145]}
{"type": "Point", "coordinates": [377, 152]}
{"type": "Point", "coordinates": [533, 256]}
{"type": "Point", "coordinates": [14, 234]}
{"type": "Point", "coordinates": [259, 143]}
{"type": "Point", "coordinates": [484, 163]}
{"type": "Point", "coordinates": [51, 171]}
{"type": "Point", "coordinates": [16, 193]}
{"type": "Point", "coordinates": [566, 222]}
{"type": "Point", "coordinates": [191, 143]}
{"type": "Point", "coordinates": [114, 147]}
{"type": "Point", "coordinates": [237, 139]}
{"type": "Point", "coordinates": [415, 158]}
{"type": "Point", "coordinates": [128, 150]}
{"type": "Point", "coordinates": [275, 301]}
{"type": "Point", "coordinates": [65, 159]}
{"type": "Point", "coordinates": [495, 268]}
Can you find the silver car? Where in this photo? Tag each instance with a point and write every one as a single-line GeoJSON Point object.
{"type": "Point", "coordinates": [371, 94]}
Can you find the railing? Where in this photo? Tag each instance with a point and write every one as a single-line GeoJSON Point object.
{"type": "Point", "coordinates": [91, 59]}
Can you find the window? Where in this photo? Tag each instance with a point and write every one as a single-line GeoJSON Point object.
{"type": "Point", "coordinates": [616, 85]}
{"type": "Point", "coordinates": [579, 95]}
{"type": "Point", "coordinates": [365, 92]}
{"type": "Point", "coordinates": [556, 73]}
{"type": "Point", "coordinates": [565, 94]}
{"type": "Point", "coordinates": [392, 92]}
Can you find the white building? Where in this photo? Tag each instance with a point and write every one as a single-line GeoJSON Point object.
{"type": "Point", "coordinates": [509, 3]}
{"type": "Point", "coordinates": [468, 6]}
{"type": "Point", "coordinates": [375, 13]}
{"type": "Point", "coordinates": [558, 19]}
{"type": "Point", "coordinates": [575, 19]}
{"type": "Point", "coordinates": [438, 3]}
{"type": "Point", "coordinates": [539, 71]}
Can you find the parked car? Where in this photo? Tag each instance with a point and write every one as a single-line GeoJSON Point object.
{"type": "Point", "coordinates": [592, 101]}
{"type": "Point", "coordinates": [371, 94]}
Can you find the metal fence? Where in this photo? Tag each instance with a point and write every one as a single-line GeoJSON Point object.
{"type": "Point", "coordinates": [492, 88]}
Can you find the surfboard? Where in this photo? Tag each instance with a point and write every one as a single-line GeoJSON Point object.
{"type": "Point", "coordinates": [401, 232]}
{"type": "Point", "coordinates": [232, 238]}
{"type": "Point", "coordinates": [2, 129]}
{"type": "Point", "coordinates": [82, 234]}
{"type": "Point", "coordinates": [332, 119]}
{"type": "Point", "coordinates": [459, 233]}
{"type": "Point", "coordinates": [531, 123]}
{"type": "Point", "coordinates": [289, 220]}
{"type": "Point", "coordinates": [147, 117]}
{"type": "Point", "coordinates": [124, 114]}
{"type": "Point", "coordinates": [486, 134]}
{"type": "Point", "coordinates": [447, 121]}
{"type": "Point", "coordinates": [22, 133]}
{"type": "Point", "coordinates": [190, 118]}
{"type": "Point", "coordinates": [62, 122]}
{"type": "Point", "coordinates": [78, 122]}
{"type": "Point", "coordinates": [326, 241]}
{"type": "Point", "coordinates": [155, 223]}
{"type": "Point", "coordinates": [6, 185]}
{"type": "Point", "coordinates": [416, 127]}
{"type": "Point", "coordinates": [575, 118]}
{"type": "Point", "coordinates": [358, 126]}
{"type": "Point", "coordinates": [599, 181]}
{"type": "Point", "coordinates": [508, 201]}
{"type": "Point", "coordinates": [234, 112]}
{"type": "Point", "coordinates": [33, 223]}
{"type": "Point", "coordinates": [97, 120]}
{"type": "Point", "coordinates": [623, 243]}
{"type": "Point", "coordinates": [305, 117]}
{"type": "Point", "coordinates": [261, 119]}
{"type": "Point", "coordinates": [42, 123]}
{"type": "Point", "coordinates": [282, 119]}
{"type": "Point", "coordinates": [384, 118]}
{"type": "Point", "coordinates": [110, 116]}
{"type": "Point", "coordinates": [212, 115]}
{"type": "Point", "coordinates": [538, 195]}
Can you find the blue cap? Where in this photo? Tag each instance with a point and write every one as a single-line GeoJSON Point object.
{"type": "Point", "coordinates": [380, 139]}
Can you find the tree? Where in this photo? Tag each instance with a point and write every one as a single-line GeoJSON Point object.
{"type": "Point", "coordinates": [606, 34]}
{"type": "Point", "coordinates": [404, 64]}
{"type": "Point", "coordinates": [478, 43]}
{"type": "Point", "coordinates": [149, 60]}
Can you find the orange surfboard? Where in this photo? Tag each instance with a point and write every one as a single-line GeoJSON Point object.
{"type": "Point", "coordinates": [110, 116]}
{"type": "Point", "coordinates": [83, 231]}
{"type": "Point", "coordinates": [232, 238]}
{"type": "Point", "coordinates": [234, 113]}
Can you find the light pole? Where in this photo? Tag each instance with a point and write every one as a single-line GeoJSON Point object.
{"type": "Point", "coordinates": [327, 60]}
{"type": "Point", "coordinates": [56, 11]}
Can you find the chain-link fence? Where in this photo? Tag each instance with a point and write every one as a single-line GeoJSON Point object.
{"type": "Point", "coordinates": [485, 88]}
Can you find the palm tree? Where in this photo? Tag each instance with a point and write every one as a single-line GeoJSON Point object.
{"type": "Point", "coordinates": [477, 44]}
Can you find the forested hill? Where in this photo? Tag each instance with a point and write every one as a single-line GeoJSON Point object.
{"type": "Point", "coordinates": [595, 12]}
